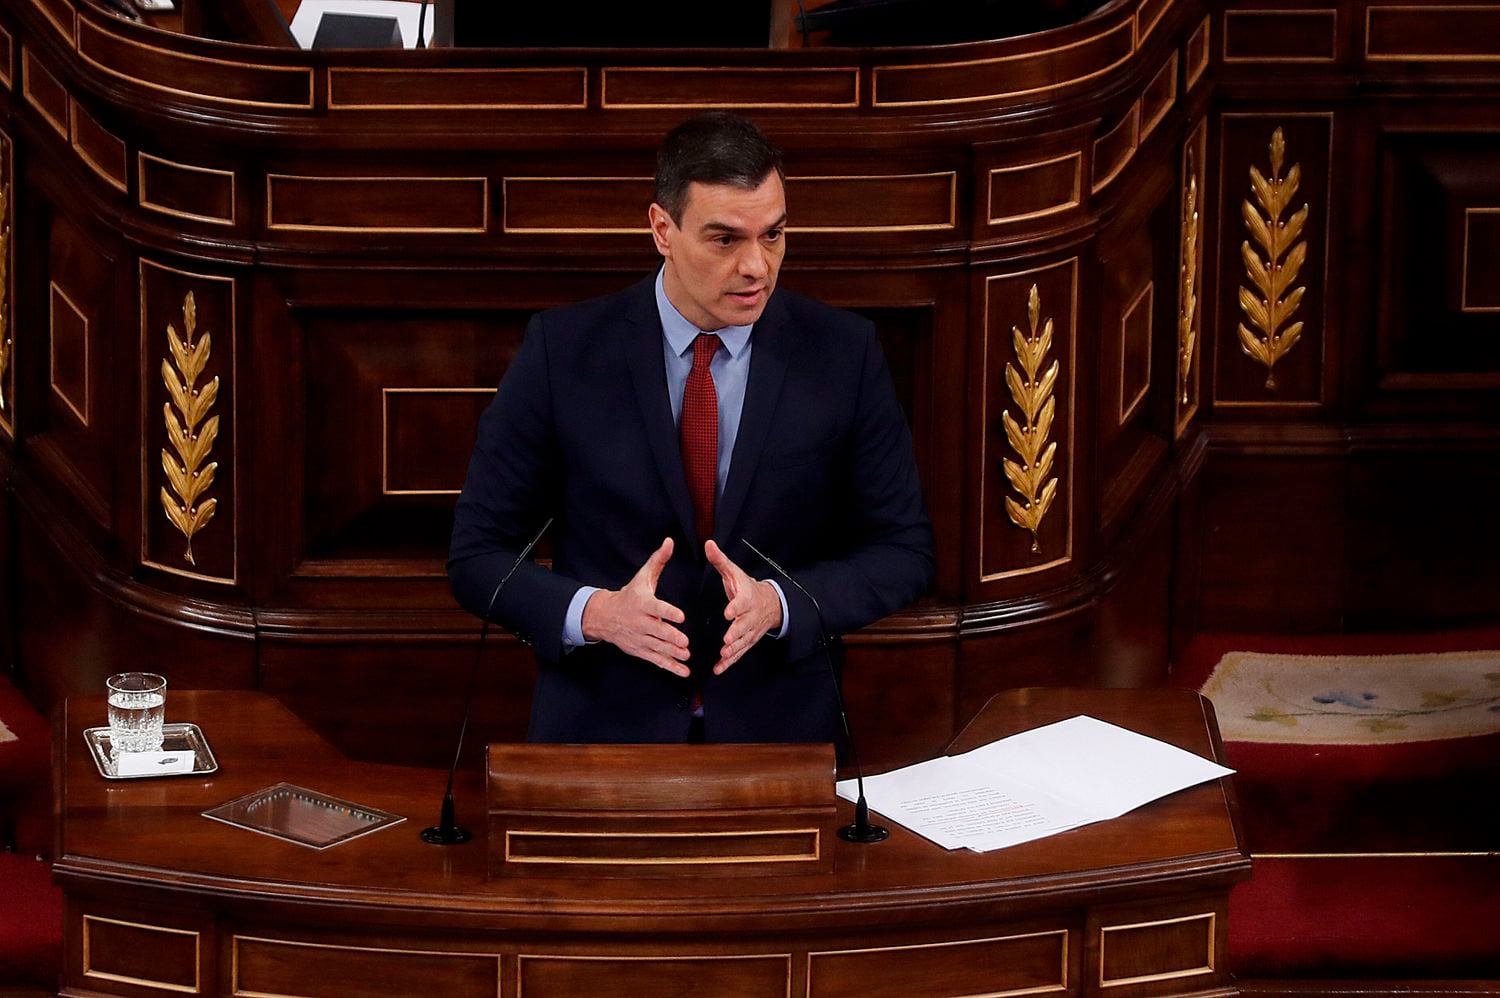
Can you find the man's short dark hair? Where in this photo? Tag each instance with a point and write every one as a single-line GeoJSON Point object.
{"type": "Point", "coordinates": [713, 148]}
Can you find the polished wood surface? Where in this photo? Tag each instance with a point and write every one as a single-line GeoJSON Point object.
{"type": "Point", "coordinates": [1139, 897]}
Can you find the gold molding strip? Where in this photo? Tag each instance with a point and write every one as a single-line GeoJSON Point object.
{"type": "Point", "coordinates": [751, 858]}
{"type": "Point", "coordinates": [1131, 121]}
{"type": "Point", "coordinates": [117, 181]}
{"type": "Point", "coordinates": [1197, 52]}
{"type": "Point", "coordinates": [7, 60]}
{"type": "Point", "coordinates": [1073, 202]}
{"type": "Point", "coordinates": [1189, 251]}
{"type": "Point", "coordinates": [32, 69]}
{"type": "Point", "coordinates": [778, 73]}
{"type": "Point", "coordinates": [1168, 72]}
{"type": "Point", "coordinates": [89, 971]}
{"type": "Point", "coordinates": [1072, 264]}
{"type": "Point", "coordinates": [1034, 398]}
{"type": "Point", "coordinates": [472, 228]}
{"type": "Point", "coordinates": [1148, 293]}
{"type": "Point", "coordinates": [521, 959]}
{"type": "Point", "coordinates": [1040, 55]}
{"type": "Point", "coordinates": [1487, 854]}
{"type": "Point", "coordinates": [1172, 975]}
{"type": "Point", "coordinates": [1463, 295]}
{"type": "Point", "coordinates": [143, 196]}
{"type": "Point", "coordinates": [234, 958]}
{"type": "Point", "coordinates": [1273, 276]}
{"type": "Point", "coordinates": [190, 429]}
{"type": "Point", "coordinates": [55, 17]}
{"type": "Point", "coordinates": [1428, 11]}
{"type": "Point", "coordinates": [1062, 984]}
{"type": "Point", "coordinates": [146, 351]}
{"type": "Point", "coordinates": [1330, 13]}
{"type": "Point", "coordinates": [480, 73]}
{"type": "Point", "coordinates": [1142, 33]}
{"type": "Point", "coordinates": [55, 292]}
{"type": "Point", "coordinates": [385, 436]}
{"type": "Point", "coordinates": [290, 73]}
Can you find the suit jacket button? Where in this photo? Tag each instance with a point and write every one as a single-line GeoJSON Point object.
{"type": "Point", "coordinates": [682, 703]}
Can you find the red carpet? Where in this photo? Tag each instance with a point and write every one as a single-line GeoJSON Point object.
{"type": "Point", "coordinates": [1374, 860]}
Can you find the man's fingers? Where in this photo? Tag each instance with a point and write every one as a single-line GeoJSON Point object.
{"type": "Point", "coordinates": [666, 611]}
{"type": "Point", "coordinates": [650, 572]}
{"type": "Point", "coordinates": [662, 662]}
{"type": "Point", "coordinates": [727, 569]}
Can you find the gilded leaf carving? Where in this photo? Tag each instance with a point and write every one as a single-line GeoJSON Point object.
{"type": "Point", "coordinates": [1187, 326]}
{"type": "Point", "coordinates": [1031, 388]}
{"type": "Point", "coordinates": [1274, 266]}
{"type": "Point", "coordinates": [191, 431]}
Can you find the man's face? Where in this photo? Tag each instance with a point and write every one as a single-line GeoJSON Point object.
{"type": "Point", "coordinates": [721, 263]}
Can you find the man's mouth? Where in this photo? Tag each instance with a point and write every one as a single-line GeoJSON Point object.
{"type": "Point", "coordinates": [747, 297]}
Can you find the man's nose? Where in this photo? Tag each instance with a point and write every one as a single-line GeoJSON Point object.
{"type": "Point", "coordinates": [754, 261]}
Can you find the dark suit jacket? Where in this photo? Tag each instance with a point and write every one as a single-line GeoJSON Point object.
{"type": "Point", "coordinates": [822, 479]}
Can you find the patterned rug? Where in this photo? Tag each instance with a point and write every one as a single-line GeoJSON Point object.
{"type": "Point", "coordinates": [1355, 699]}
{"type": "Point", "coordinates": [6, 735]}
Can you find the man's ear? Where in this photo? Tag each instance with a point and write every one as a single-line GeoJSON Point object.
{"type": "Point", "coordinates": [662, 229]}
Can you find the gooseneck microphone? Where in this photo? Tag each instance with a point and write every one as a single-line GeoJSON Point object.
{"type": "Point", "coordinates": [422, 26]}
{"type": "Point", "coordinates": [861, 831]}
{"type": "Point", "coordinates": [448, 832]}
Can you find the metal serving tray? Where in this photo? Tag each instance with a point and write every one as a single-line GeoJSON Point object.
{"type": "Point", "coordinates": [174, 738]}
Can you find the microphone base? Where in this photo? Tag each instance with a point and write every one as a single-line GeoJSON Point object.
{"type": "Point", "coordinates": [868, 835]}
{"type": "Point", "coordinates": [455, 835]}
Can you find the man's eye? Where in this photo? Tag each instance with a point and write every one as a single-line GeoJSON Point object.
{"type": "Point", "coordinates": [773, 236]}
{"type": "Point", "coordinates": [723, 240]}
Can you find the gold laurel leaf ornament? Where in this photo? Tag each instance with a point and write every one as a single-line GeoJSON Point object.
{"type": "Point", "coordinates": [1031, 389]}
{"type": "Point", "coordinates": [1270, 304]}
{"type": "Point", "coordinates": [191, 431]}
{"type": "Point", "coordinates": [1187, 328]}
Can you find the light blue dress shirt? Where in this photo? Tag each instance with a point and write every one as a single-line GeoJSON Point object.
{"type": "Point", "coordinates": [731, 372]}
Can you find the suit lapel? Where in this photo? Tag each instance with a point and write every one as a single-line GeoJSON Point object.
{"type": "Point", "coordinates": [644, 358]}
{"type": "Point", "coordinates": [768, 362]}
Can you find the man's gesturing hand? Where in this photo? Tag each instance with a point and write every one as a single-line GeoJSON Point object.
{"type": "Point", "coordinates": [636, 622]}
{"type": "Point", "coordinates": [754, 609]}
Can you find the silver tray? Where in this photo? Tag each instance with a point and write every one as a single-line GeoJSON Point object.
{"type": "Point", "coordinates": [308, 818]}
{"type": "Point", "coordinates": [174, 738]}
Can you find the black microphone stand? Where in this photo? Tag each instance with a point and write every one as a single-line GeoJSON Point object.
{"type": "Point", "coordinates": [448, 832]}
{"type": "Point", "coordinates": [861, 831]}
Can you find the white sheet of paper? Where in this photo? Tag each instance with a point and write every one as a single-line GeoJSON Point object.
{"type": "Point", "coordinates": [153, 763]}
{"type": "Point", "coordinates": [1033, 784]}
{"type": "Point", "coordinates": [305, 21]}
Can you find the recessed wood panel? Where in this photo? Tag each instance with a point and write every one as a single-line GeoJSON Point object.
{"type": "Point", "coordinates": [377, 204]}
{"type": "Point", "coordinates": [476, 89]}
{"type": "Point", "coordinates": [1004, 76]}
{"type": "Point", "coordinates": [59, 14]}
{"type": "Point", "coordinates": [571, 205]}
{"type": "Point", "coordinates": [742, 87]}
{"type": "Point", "coordinates": [1160, 95]}
{"type": "Point", "coordinates": [7, 58]}
{"type": "Point", "coordinates": [1135, 353]}
{"type": "Point", "coordinates": [1280, 35]}
{"type": "Point", "coordinates": [208, 550]}
{"type": "Point", "coordinates": [187, 75]}
{"type": "Point", "coordinates": [1113, 149]}
{"type": "Point", "coordinates": [1427, 32]}
{"type": "Point", "coordinates": [1147, 16]}
{"type": "Point", "coordinates": [1029, 964]}
{"type": "Point", "coordinates": [275, 967]}
{"type": "Point", "coordinates": [147, 956]}
{"type": "Point", "coordinates": [43, 92]}
{"type": "Point", "coordinates": [589, 977]}
{"type": "Point", "coordinates": [7, 287]}
{"type": "Point", "coordinates": [1481, 261]}
{"type": "Point", "coordinates": [1197, 53]}
{"type": "Point", "coordinates": [426, 449]}
{"type": "Point", "coordinates": [181, 190]}
{"type": "Point", "coordinates": [1030, 190]}
{"type": "Point", "coordinates": [1296, 379]}
{"type": "Point", "coordinates": [69, 369]}
{"type": "Point", "coordinates": [1158, 951]}
{"type": "Point", "coordinates": [1006, 549]}
{"type": "Point", "coordinates": [103, 151]}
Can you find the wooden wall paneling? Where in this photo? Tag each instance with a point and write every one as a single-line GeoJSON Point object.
{"type": "Point", "coordinates": [8, 330]}
{"type": "Point", "coordinates": [190, 439]}
{"type": "Point", "coordinates": [899, 689]}
{"type": "Point", "coordinates": [1246, 139]}
{"type": "Point", "coordinates": [1131, 646]}
{"type": "Point", "coordinates": [186, 191]}
{"type": "Point", "coordinates": [7, 58]}
{"type": "Point", "coordinates": [1450, 33]}
{"type": "Point", "coordinates": [1056, 650]}
{"type": "Point", "coordinates": [1437, 349]}
{"type": "Point", "coordinates": [99, 148]}
{"type": "Point", "coordinates": [44, 92]}
{"type": "Point", "coordinates": [1006, 552]}
{"type": "Point", "coordinates": [1281, 36]}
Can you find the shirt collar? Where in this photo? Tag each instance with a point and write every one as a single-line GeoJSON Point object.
{"type": "Point", "coordinates": [681, 333]}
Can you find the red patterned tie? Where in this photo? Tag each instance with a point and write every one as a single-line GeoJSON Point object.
{"type": "Point", "coordinates": [700, 434]}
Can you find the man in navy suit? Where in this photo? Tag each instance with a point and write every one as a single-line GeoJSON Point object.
{"type": "Point", "coordinates": [663, 427]}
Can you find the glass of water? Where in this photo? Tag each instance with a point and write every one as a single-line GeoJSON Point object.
{"type": "Point", "coordinates": [137, 705]}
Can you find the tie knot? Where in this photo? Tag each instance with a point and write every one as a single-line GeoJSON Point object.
{"type": "Point", "coordinates": [704, 348]}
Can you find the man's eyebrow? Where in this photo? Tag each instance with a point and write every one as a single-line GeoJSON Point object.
{"type": "Point", "coordinates": [733, 230]}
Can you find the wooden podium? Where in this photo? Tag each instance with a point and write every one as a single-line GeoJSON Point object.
{"type": "Point", "coordinates": [160, 900]}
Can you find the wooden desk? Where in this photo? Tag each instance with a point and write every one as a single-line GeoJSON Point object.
{"type": "Point", "coordinates": [162, 900]}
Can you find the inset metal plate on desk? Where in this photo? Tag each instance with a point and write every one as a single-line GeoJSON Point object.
{"type": "Point", "coordinates": [303, 816]}
{"type": "Point", "coordinates": [174, 738]}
